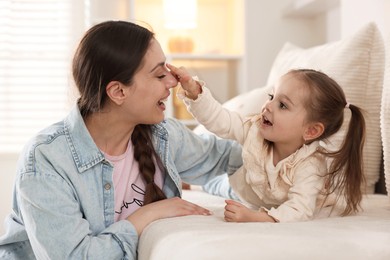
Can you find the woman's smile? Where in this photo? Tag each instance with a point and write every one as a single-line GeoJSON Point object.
{"type": "Point", "coordinates": [161, 103]}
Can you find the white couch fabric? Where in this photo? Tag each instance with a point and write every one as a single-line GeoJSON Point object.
{"type": "Point", "coordinates": [361, 237]}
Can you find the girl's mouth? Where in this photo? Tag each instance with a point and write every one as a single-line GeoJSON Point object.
{"type": "Point", "coordinates": [266, 121]}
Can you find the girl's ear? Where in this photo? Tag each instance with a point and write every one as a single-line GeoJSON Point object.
{"type": "Point", "coordinates": [313, 131]}
{"type": "Point", "coordinates": [115, 91]}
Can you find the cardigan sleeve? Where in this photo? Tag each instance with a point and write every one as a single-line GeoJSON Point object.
{"type": "Point", "coordinates": [217, 119]}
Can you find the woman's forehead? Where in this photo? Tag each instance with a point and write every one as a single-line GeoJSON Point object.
{"type": "Point", "coordinates": [154, 56]}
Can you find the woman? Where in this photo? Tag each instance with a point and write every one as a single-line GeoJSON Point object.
{"type": "Point", "coordinates": [87, 186]}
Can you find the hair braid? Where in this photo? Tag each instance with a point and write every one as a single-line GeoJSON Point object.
{"type": "Point", "coordinates": [144, 154]}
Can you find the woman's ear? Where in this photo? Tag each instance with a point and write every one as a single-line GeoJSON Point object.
{"type": "Point", "coordinates": [115, 91]}
{"type": "Point", "coordinates": [313, 131]}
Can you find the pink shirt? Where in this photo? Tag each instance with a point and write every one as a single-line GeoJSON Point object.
{"type": "Point", "coordinates": [129, 185]}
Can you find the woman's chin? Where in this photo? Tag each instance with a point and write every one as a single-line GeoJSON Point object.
{"type": "Point", "coordinates": [159, 119]}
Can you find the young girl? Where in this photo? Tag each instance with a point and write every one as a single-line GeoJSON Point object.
{"type": "Point", "coordinates": [285, 171]}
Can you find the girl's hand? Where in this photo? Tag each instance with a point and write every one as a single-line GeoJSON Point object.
{"type": "Point", "coordinates": [236, 212]}
{"type": "Point", "coordinates": [173, 207]}
{"type": "Point", "coordinates": [191, 87]}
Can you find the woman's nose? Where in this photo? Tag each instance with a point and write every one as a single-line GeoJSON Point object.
{"type": "Point", "coordinates": [171, 81]}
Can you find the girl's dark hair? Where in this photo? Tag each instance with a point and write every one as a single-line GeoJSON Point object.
{"type": "Point", "coordinates": [326, 104]}
{"type": "Point", "coordinates": [114, 51]}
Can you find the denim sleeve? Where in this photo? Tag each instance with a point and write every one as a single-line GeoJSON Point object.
{"type": "Point", "coordinates": [56, 225]}
{"type": "Point", "coordinates": [200, 158]}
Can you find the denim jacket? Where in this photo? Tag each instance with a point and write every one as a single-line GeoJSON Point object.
{"type": "Point", "coordinates": [63, 199]}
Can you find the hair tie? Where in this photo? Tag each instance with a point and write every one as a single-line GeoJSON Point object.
{"type": "Point", "coordinates": [347, 105]}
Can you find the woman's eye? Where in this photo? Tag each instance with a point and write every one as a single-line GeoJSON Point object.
{"type": "Point", "coordinates": [161, 76]}
{"type": "Point", "coordinates": [271, 96]}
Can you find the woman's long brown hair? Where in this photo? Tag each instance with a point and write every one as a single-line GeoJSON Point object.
{"type": "Point", "coordinates": [114, 51]}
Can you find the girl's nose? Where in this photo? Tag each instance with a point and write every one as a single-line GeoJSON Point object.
{"type": "Point", "coordinates": [267, 105]}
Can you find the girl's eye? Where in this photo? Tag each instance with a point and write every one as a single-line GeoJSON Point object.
{"type": "Point", "coordinates": [271, 96]}
{"type": "Point", "coordinates": [282, 106]}
{"type": "Point", "coordinates": [161, 77]}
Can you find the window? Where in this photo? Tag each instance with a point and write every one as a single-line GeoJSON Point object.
{"type": "Point", "coordinates": [36, 45]}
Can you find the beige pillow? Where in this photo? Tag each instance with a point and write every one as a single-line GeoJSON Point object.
{"type": "Point", "coordinates": [385, 118]}
{"type": "Point", "coordinates": [357, 64]}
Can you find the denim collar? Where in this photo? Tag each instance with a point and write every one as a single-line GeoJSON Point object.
{"type": "Point", "coordinates": [85, 152]}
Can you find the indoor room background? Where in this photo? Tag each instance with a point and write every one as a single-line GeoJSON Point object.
{"type": "Point", "coordinates": [231, 44]}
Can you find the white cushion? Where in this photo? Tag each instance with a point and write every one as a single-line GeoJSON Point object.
{"type": "Point", "coordinates": [357, 64]}
{"type": "Point", "coordinates": [385, 118]}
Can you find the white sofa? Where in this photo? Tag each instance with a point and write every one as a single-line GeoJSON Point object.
{"type": "Point", "coordinates": [358, 64]}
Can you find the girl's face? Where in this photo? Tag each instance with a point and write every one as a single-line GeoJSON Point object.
{"type": "Point", "coordinates": [284, 115]}
{"type": "Point", "coordinates": [150, 89]}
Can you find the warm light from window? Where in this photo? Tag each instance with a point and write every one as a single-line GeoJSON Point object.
{"type": "Point", "coordinates": [180, 14]}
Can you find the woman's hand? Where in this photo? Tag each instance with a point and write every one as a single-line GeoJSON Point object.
{"type": "Point", "coordinates": [173, 207]}
{"type": "Point", "coordinates": [191, 87]}
{"type": "Point", "coordinates": [236, 212]}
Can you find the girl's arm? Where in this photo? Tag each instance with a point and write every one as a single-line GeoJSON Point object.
{"type": "Point", "coordinates": [306, 182]}
{"type": "Point", "coordinates": [208, 111]}
{"type": "Point", "coordinates": [237, 212]}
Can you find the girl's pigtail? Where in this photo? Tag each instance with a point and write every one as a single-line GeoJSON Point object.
{"type": "Point", "coordinates": [347, 167]}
